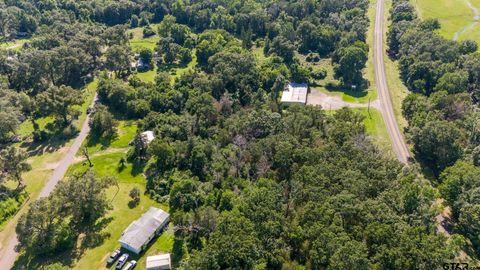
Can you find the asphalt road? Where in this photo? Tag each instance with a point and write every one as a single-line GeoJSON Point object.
{"type": "Point", "coordinates": [8, 254]}
{"type": "Point", "coordinates": [399, 146]}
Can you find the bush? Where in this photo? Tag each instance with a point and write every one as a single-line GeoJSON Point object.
{"type": "Point", "coordinates": [319, 74]}
{"type": "Point", "coordinates": [10, 205]}
{"type": "Point", "coordinates": [135, 195]}
{"type": "Point", "coordinates": [148, 31]}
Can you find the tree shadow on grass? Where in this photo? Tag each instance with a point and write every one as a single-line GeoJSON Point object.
{"type": "Point", "coordinates": [68, 256]}
{"type": "Point", "coordinates": [137, 167]}
{"type": "Point", "coordinates": [50, 140]}
{"type": "Point", "coordinates": [348, 90]}
{"type": "Point", "coordinates": [104, 141]}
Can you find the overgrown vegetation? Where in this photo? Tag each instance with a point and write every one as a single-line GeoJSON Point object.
{"type": "Point", "coordinates": [442, 110]}
{"type": "Point", "coordinates": [250, 184]}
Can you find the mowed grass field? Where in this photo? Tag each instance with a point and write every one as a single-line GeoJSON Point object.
{"type": "Point", "coordinates": [375, 127]}
{"type": "Point", "coordinates": [455, 16]}
{"type": "Point", "coordinates": [106, 159]}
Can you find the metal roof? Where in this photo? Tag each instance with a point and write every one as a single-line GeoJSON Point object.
{"type": "Point", "coordinates": [140, 232]}
{"type": "Point", "coordinates": [295, 93]}
{"type": "Point", "coordinates": [161, 261]}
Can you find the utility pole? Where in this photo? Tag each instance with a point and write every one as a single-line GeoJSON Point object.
{"type": "Point", "coordinates": [368, 109]}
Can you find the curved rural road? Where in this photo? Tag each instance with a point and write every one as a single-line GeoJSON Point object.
{"type": "Point", "coordinates": [8, 254]}
{"type": "Point", "coordinates": [399, 146]}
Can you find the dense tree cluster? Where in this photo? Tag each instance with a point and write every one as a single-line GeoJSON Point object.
{"type": "Point", "coordinates": [249, 184]}
{"type": "Point", "coordinates": [442, 111]}
{"type": "Point", "coordinates": [443, 76]}
{"type": "Point", "coordinates": [260, 189]}
{"type": "Point", "coordinates": [54, 223]}
{"type": "Point", "coordinates": [252, 185]}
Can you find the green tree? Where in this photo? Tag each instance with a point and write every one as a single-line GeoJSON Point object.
{"type": "Point", "coordinates": [437, 144]}
{"type": "Point", "coordinates": [118, 60]}
{"type": "Point", "coordinates": [60, 102]}
{"type": "Point", "coordinates": [455, 82]}
{"type": "Point", "coordinates": [233, 245]}
{"type": "Point", "coordinates": [102, 122]}
{"type": "Point", "coordinates": [185, 195]}
{"type": "Point", "coordinates": [351, 63]}
{"type": "Point", "coordinates": [13, 164]}
{"type": "Point", "coordinates": [147, 56]}
{"type": "Point", "coordinates": [135, 195]}
{"type": "Point", "coordinates": [283, 48]}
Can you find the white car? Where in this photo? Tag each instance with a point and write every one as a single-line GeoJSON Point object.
{"type": "Point", "coordinates": [130, 265]}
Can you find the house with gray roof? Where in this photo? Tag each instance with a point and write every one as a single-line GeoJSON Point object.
{"type": "Point", "coordinates": [140, 232]}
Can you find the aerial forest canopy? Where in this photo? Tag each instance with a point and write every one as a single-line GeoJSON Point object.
{"type": "Point", "coordinates": [442, 110]}
{"type": "Point", "coordinates": [250, 184]}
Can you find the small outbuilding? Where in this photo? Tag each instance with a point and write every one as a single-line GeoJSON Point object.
{"type": "Point", "coordinates": [140, 232]}
{"type": "Point", "coordinates": [295, 93]}
{"type": "Point", "coordinates": [159, 262]}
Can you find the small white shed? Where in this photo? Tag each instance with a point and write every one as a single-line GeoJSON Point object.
{"type": "Point", "coordinates": [159, 262]}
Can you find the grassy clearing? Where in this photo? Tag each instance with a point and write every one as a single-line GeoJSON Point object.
{"type": "Point", "coordinates": [26, 128]}
{"type": "Point", "coordinates": [454, 16]}
{"type": "Point", "coordinates": [148, 76]}
{"type": "Point", "coordinates": [375, 127]}
{"type": "Point", "coordinates": [125, 133]}
{"type": "Point", "coordinates": [149, 43]}
{"type": "Point", "coordinates": [13, 45]}
{"type": "Point", "coordinates": [175, 70]}
{"type": "Point", "coordinates": [121, 216]}
{"type": "Point", "coordinates": [138, 42]}
{"type": "Point", "coordinates": [106, 163]}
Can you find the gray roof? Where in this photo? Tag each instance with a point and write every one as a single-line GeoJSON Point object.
{"type": "Point", "coordinates": [139, 232]}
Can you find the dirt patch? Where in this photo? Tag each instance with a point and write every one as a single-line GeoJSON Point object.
{"type": "Point", "coordinates": [331, 102]}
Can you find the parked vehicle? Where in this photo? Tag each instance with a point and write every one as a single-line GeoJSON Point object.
{"type": "Point", "coordinates": [113, 257]}
{"type": "Point", "coordinates": [130, 265]}
{"type": "Point", "coordinates": [121, 262]}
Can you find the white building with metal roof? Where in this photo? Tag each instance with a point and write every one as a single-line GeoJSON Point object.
{"type": "Point", "coordinates": [140, 232]}
{"type": "Point", "coordinates": [295, 93]}
{"type": "Point", "coordinates": [159, 262]}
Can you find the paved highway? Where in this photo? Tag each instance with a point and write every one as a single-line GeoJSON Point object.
{"type": "Point", "coordinates": [399, 146]}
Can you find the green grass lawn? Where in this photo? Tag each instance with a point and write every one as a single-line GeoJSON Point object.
{"type": "Point", "coordinates": [138, 42]}
{"type": "Point", "coordinates": [125, 133]}
{"type": "Point", "coordinates": [15, 44]}
{"type": "Point", "coordinates": [148, 76]}
{"type": "Point", "coordinates": [454, 16]}
{"type": "Point", "coordinates": [122, 215]}
{"type": "Point", "coordinates": [375, 127]}
{"type": "Point", "coordinates": [106, 163]}
{"type": "Point", "coordinates": [149, 43]}
{"type": "Point", "coordinates": [175, 70]}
